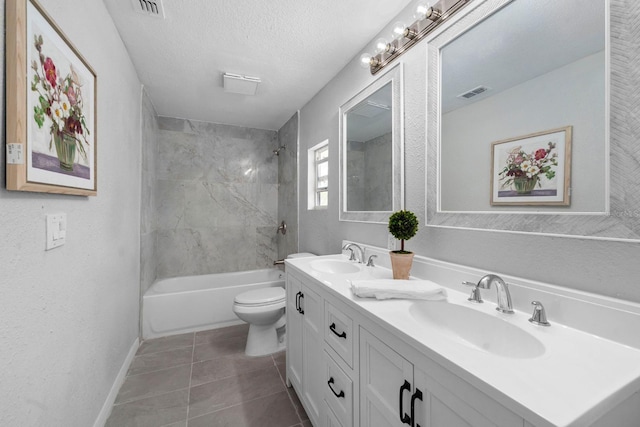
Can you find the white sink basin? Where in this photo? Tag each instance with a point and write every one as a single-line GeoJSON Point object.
{"type": "Point", "coordinates": [483, 331]}
{"type": "Point", "coordinates": [335, 266]}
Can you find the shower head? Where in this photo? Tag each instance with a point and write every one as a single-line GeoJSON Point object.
{"type": "Point", "coordinates": [277, 150]}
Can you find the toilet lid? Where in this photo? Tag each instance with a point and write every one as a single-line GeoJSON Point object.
{"type": "Point", "coordinates": [261, 296]}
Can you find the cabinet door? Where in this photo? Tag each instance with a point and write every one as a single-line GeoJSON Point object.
{"type": "Point", "coordinates": [294, 333]}
{"type": "Point", "coordinates": [312, 353]}
{"type": "Point", "coordinates": [385, 384]}
{"type": "Point", "coordinates": [439, 407]}
{"type": "Point", "coordinates": [330, 418]}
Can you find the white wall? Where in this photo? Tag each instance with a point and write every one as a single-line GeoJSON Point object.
{"type": "Point", "coordinates": [70, 316]}
{"type": "Point", "coordinates": [604, 267]}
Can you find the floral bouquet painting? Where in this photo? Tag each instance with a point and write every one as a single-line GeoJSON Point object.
{"type": "Point", "coordinates": [51, 102]}
{"type": "Point", "coordinates": [532, 169]}
{"type": "Point", "coordinates": [522, 170]}
{"type": "Point", "coordinates": [60, 108]}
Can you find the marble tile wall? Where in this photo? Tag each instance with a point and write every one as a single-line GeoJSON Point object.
{"type": "Point", "coordinates": [217, 198]}
{"type": "Point", "coordinates": [369, 183]}
{"type": "Point", "coordinates": [356, 176]}
{"type": "Point", "coordinates": [378, 180]}
{"type": "Point", "coordinates": [288, 187]}
{"type": "Point", "coordinates": [148, 205]}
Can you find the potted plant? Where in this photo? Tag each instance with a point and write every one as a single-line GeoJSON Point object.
{"type": "Point", "coordinates": [403, 225]}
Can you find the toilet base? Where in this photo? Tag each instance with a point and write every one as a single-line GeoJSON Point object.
{"type": "Point", "coordinates": [262, 340]}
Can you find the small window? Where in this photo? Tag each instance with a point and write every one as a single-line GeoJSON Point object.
{"type": "Point", "coordinates": [319, 176]}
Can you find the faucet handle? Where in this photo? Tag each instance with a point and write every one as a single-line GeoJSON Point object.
{"type": "Point", "coordinates": [539, 316]}
{"type": "Point", "coordinates": [370, 260]}
{"type": "Point", "coordinates": [475, 292]}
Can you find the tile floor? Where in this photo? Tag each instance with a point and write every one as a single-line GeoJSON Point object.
{"type": "Point", "coordinates": [204, 379]}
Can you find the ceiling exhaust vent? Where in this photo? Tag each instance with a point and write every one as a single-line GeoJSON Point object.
{"type": "Point", "coordinates": [236, 83]}
{"type": "Point", "coordinates": [474, 92]}
{"type": "Point", "coordinates": [149, 7]}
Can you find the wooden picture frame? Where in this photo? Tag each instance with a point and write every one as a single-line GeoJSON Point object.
{"type": "Point", "coordinates": [51, 107]}
{"type": "Point", "coordinates": [532, 170]}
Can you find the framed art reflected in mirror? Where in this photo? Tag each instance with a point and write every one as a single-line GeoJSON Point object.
{"type": "Point", "coordinates": [532, 170]}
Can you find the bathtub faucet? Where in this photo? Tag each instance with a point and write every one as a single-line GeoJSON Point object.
{"type": "Point", "coordinates": [278, 262]}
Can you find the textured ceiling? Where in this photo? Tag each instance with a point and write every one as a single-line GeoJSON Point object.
{"type": "Point", "coordinates": [295, 47]}
{"type": "Point", "coordinates": [525, 39]}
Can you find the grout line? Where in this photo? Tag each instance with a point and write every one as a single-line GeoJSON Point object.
{"type": "Point", "coordinates": [295, 407]}
{"type": "Point", "coordinates": [235, 375]}
{"type": "Point", "coordinates": [193, 352]}
{"type": "Point", "coordinates": [245, 402]}
{"type": "Point", "coordinates": [157, 370]}
{"type": "Point", "coordinates": [148, 397]}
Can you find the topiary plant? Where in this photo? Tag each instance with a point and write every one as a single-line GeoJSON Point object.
{"type": "Point", "coordinates": [403, 225]}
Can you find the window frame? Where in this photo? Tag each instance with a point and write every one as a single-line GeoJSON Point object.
{"type": "Point", "coordinates": [314, 190]}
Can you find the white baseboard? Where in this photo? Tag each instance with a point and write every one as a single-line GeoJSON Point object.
{"type": "Point", "coordinates": [115, 388]}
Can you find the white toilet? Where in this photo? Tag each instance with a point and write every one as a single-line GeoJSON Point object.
{"type": "Point", "coordinates": [263, 310]}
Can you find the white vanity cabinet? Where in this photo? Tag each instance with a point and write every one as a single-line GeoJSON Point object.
{"type": "Point", "coordinates": [397, 390]}
{"type": "Point", "coordinates": [305, 345]}
{"type": "Point", "coordinates": [357, 362]}
{"type": "Point", "coordinates": [348, 371]}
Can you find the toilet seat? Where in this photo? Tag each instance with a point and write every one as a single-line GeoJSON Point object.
{"type": "Point", "coordinates": [261, 297]}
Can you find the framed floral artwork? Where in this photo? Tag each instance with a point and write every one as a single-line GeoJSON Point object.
{"type": "Point", "coordinates": [533, 169]}
{"type": "Point", "coordinates": [51, 107]}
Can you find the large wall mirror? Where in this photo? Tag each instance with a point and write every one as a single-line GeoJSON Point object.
{"type": "Point", "coordinates": [522, 91]}
{"type": "Point", "coordinates": [371, 150]}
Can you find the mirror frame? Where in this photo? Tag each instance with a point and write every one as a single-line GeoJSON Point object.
{"type": "Point", "coordinates": [395, 76]}
{"type": "Point", "coordinates": [620, 221]}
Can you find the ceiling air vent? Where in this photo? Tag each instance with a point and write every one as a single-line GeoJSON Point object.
{"type": "Point", "coordinates": [474, 92]}
{"type": "Point", "coordinates": [149, 7]}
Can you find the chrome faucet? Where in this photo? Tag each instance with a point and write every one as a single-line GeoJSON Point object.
{"type": "Point", "coordinates": [504, 297]}
{"type": "Point", "coordinates": [350, 246]}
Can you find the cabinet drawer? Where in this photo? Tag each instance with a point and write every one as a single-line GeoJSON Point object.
{"type": "Point", "coordinates": [338, 392]}
{"type": "Point", "coordinates": [338, 333]}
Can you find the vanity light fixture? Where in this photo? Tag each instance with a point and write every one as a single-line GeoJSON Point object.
{"type": "Point", "coordinates": [427, 18]}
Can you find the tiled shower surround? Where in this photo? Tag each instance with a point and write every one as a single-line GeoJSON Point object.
{"type": "Point", "coordinates": [288, 186]}
{"type": "Point", "coordinates": [148, 202]}
{"type": "Point", "coordinates": [217, 198]}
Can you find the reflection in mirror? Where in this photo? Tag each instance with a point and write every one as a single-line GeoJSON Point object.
{"type": "Point", "coordinates": [533, 66]}
{"type": "Point", "coordinates": [368, 151]}
{"type": "Point", "coordinates": [371, 151]}
{"type": "Point", "coordinates": [603, 161]}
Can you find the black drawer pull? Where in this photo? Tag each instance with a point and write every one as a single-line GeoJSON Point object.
{"type": "Point", "coordinates": [298, 301]}
{"type": "Point", "coordinates": [417, 395]}
{"type": "Point", "coordinates": [404, 418]}
{"type": "Point", "coordinates": [301, 310]}
{"type": "Point", "coordinates": [338, 395]}
{"type": "Point", "coordinates": [340, 335]}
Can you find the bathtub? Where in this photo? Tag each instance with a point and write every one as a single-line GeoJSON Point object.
{"type": "Point", "coordinates": [195, 303]}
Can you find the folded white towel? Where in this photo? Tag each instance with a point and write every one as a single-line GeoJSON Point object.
{"type": "Point", "coordinates": [401, 289]}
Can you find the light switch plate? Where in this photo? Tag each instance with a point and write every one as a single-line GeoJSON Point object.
{"type": "Point", "coordinates": [56, 230]}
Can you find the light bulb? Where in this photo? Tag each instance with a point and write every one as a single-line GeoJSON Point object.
{"type": "Point", "coordinates": [398, 30]}
{"type": "Point", "coordinates": [380, 46]}
{"type": "Point", "coordinates": [421, 11]}
{"type": "Point", "coordinates": [365, 60]}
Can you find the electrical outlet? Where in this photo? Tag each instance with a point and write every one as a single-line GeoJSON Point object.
{"type": "Point", "coordinates": [391, 242]}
